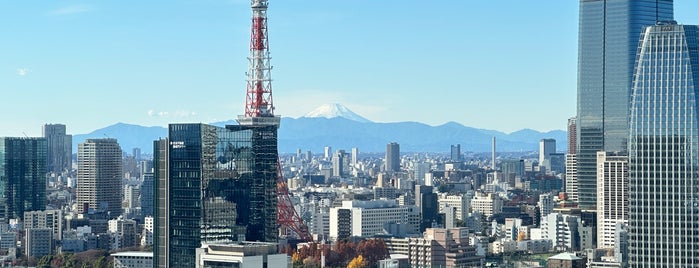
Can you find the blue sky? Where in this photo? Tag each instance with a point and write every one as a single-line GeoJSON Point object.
{"type": "Point", "coordinates": [503, 65]}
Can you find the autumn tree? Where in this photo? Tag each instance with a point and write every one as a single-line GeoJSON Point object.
{"type": "Point", "coordinates": [373, 250]}
{"type": "Point", "coordinates": [358, 262]}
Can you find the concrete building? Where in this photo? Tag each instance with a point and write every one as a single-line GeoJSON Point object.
{"type": "Point", "coordinates": [561, 230]}
{"type": "Point", "coordinates": [566, 260]}
{"type": "Point", "coordinates": [546, 148]}
{"type": "Point", "coordinates": [355, 157]}
{"type": "Point", "coordinates": [571, 184]}
{"type": "Point", "coordinates": [131, 195]}
{"type": "Point", "coordinates": [40, 219]}
{"type": "Point", "coordinates": [147, 235]}
{"type": "Point", "coordinates": [59, 148]}
{"type": "Point", "coordinates": [459, 201]}
{"type": "Point", "coordinates": [545, 204]}
{"type": "Point", "coordinates": [38, 242]}
{"type": "Point", "coordinates": [371, 218]}
{"type": "Point", "coordinates": [456, 153]}
{"type": "Point", "coordinates": [443, 248]}
{"type": "Point", "coordinates": [393, 157]}
{"type": "Point", "coordinates": [487, 204]}
{"type": "Point", "coordinates": [123, 233]}
{"type": "Point", "coordinates": [133, 259]}
{"type": "Point", "coordinates": [244, 254]}
{"type": "Point", "coordinates": [99, 177]}
{"type": "Point", "coordinates": [612, 196]}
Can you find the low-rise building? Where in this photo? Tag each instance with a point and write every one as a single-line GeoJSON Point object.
{"type": "Point", "coordinates": [443, 248]}
{"type": "Point", "coordinates": [370, 218]}
{"type": "Point", "coordinates": [242, 254]}
{"type": "Point", "coordinates": [133, 259]}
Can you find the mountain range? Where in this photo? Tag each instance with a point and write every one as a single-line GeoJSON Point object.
{"type": "Point", "coordinates": [336, 126]}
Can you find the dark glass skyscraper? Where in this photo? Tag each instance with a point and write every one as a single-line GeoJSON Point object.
{"type": "Point", "coordinates": [607, 43]}
{"type": "Point", "coordinates": [664, 149]}
{"type": "Point", "coordinates": [215, 185]}
{"type": "Point", "coordinates": [393, 157]}
{"type": "Point", "coordinates": [22, 176]}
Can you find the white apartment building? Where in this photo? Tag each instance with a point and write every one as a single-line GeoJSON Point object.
{"type": "Point", "coordinates": [461, 202]}
{"type": "Point", "coordinates": [561, 230]}
{"type": "Point", "coordinates": [147, 237]}
{"type": "Point", "coordinates": [487, 204]}
{"type": "Point", "coordinates": [612, 196]}
{"type": "Point", "coordinates": [368, 218]}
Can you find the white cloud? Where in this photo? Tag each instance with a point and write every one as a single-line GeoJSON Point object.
{"type": "Point", "coordinates": [175, 114]}
{"type": "Point", "coordinates": [22, 71]}
{"type": "Point", "coordinates": [75, 9]}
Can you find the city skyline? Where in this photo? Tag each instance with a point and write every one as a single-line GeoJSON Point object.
{"type": "Point", "coordinates": [83, 57]}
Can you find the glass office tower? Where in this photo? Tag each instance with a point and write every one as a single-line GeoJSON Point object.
{"type": "Point", "coordinates": [664, 149]}
{"type": "Point", "coordinates": [607, 42]}
{"type": "Point", "coordinates": [214, 185]}
{"type": "Point", "coordinates": [22, 176]}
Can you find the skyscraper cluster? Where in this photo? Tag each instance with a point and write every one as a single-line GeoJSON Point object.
{"type": "Point", "coordinates": [637, 114]}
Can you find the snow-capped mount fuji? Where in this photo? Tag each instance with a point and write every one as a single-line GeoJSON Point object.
{"type": "Point", "coordinates": [334, 110]}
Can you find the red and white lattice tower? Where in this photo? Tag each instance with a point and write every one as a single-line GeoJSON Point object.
{"type": "Point", "coordinates": [258, 101]}
{"type": "Point", "coordinates": [259, 111]}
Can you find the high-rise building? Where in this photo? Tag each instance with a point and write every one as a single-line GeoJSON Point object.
{"type": "Point", "coordinates": [99, 177]}
{"type": "Point", "coordinates": [456, 153]}
{"type": "Point", "coordinates": [571, 184]}
{"type": "Point", "coordinates": [545, 204]}
{"type": "Point", "coordinates": [572, 136]}
{"type": "Point", "coordinates": [137, 153]}
{"type": "Point", "coordinates": [22, 176]}
{"type": "Point", "coordinates": [393, 157]}
{"type": "Point", "coordinates": [607, 41]}
{"type": "Point", "coordinates": [664, 149]}
{"type": "Point", "coordinates": [426, 201]}
{"type": "Point", "coordinates": [571, 162]}
{"type": "Point", "coordinates": [546, 148]}
{"type": "Point", "coordinates": [355, 156]}
{"type": "Point", "coordinates": [225, 178]}
{"type": "Point", "coordinates": [147, 193]}
{"type": "Point", "coordinates": [338, 161]}
{"type": "Point", "coordinates": [612, 196]}
{"type": "Point", "coordinates": [328, 151]}
{"type": "Point", "coordinates": [60, 148]}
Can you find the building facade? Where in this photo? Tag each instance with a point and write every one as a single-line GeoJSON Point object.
{"type": "Point", "coordinates": [607, 42]}
{"type": "Point", "coordinates": [22, 176]}
{"type": "Point", "coordinates": [59, 148]}
{"type": "Point", "coordinates": [612, 196]}
{"type": "Point", "coordinates": [214, 185]}
{"type": "Point", "coordinates": [371, 218]}
{"type": "Point", "coordinates": [133, 259]}
{"type": "Point", "coordinates": [52, 219]}
{"type": "Point", "coordinates": [393, 157]}
{"type": "Point", "coordinates": [664, 149]}
{"type": "Point", "coordinates": [248, 254]}
{"type": "Point", "coordinates": [546, 148]}
{"type": "Point", "coordinates": [99, 177]}
{"type": "Point", "coordinates": [443, 248]}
